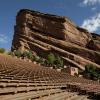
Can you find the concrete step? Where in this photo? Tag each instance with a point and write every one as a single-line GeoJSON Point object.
{"type": "Point", "coordinates": [79, 97]}
{"type": "Point", "coordinates": [29, 95]}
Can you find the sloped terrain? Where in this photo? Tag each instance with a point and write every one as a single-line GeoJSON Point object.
{"type": "Point", "coordinates": [21, 80]}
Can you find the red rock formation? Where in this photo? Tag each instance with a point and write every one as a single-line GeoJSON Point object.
{"type": "Point", "coordinates": [49, 33]}
{"type": "Point", "coordinates": [94, 44]}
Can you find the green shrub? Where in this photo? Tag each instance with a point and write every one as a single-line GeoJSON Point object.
{"type": "Point", "coordinates": [24, 54]}
{"type": "Point", "coordinates": [46, 63]}
{"type": "Point", "coordinates": [51, 59]}
{"type": "Point", "coordinates": [41, 61]}
{"type": "Point", "coordinates": [17, 53]}
{"type": "Point", "coordinates": [30, 55]}
{"type": "Point", "coordinates": [59, 61]}
{"type": "Point", "coordinates": [37, 58]}
{"type": "Point", "coordinates": [10, 53]}
{"type": "Point", "coordinates": [2, 50]}
{"type": "Point", "coordinates": [27, 54]}
{"type": "Point", "coordinates": [91, 72]}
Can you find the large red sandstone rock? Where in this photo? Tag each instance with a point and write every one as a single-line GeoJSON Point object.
{"type": "Point", "coordinates": [59, 27]}
{"type": "Point", "coordinates": [44, 33]}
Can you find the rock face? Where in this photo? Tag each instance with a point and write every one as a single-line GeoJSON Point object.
{"type": "Point", "coordinates": [50, 33]}
{"type": "Point", "coordinates": [94, 44]}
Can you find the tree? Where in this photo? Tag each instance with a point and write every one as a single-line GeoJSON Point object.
{"type": "Point", "coordinates": [24, 54]}
{"type": "Point", "coordinates": [91, 72]}
{"type": "Point", "coordinates": [17, 53]}
{"type": "Point", "coordinates": [2, 50]}
{"type": "Point", "coordinates": [59, 61]}
{"type": "Point", "coordinates": [37, 58]}
{"type": "Point", "coordinates": [90, 68]}
{"type": "Point", "coordinates": [41, 61]}
{"type": "Point", "coordinates": [51, 59]}
{"type": "Point", "coordinates": [46, 63]}
{"type": "Point", "coordinates": [29, 55]}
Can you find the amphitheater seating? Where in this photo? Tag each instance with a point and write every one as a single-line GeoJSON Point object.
{"type": "Point", "coordinates": [22, 80]}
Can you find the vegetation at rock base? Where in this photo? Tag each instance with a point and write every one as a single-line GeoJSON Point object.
{"type": "Point", "coordinates": [91, 72]}
{"type": "Point", "coordinates": [52, 60]}
{"type": "Point", "coordinates": [2, 50]}
{"type": "Point", "coordinates": [59, 61]}
{"type": "Point", "coordinates": [10, 53]}
{"type": "Point", "coordinates": [27, 54]}
{"type": "Point", "coordinates": [17, 53]}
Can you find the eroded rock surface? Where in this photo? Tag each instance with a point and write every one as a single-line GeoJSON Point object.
{"type": "Point", "coordinates": [43, 33]}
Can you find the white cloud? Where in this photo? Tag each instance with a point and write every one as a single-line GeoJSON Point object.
{"type": "Point", "coordinates": [92, 24]}
{"type": "Point", "coordinates": [90, 2]}
{"type": "Point", "coordinates": [3, 38]}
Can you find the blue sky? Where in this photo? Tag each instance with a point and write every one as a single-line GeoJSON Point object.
{"type": "Point", "coordinates": [85, 13]}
